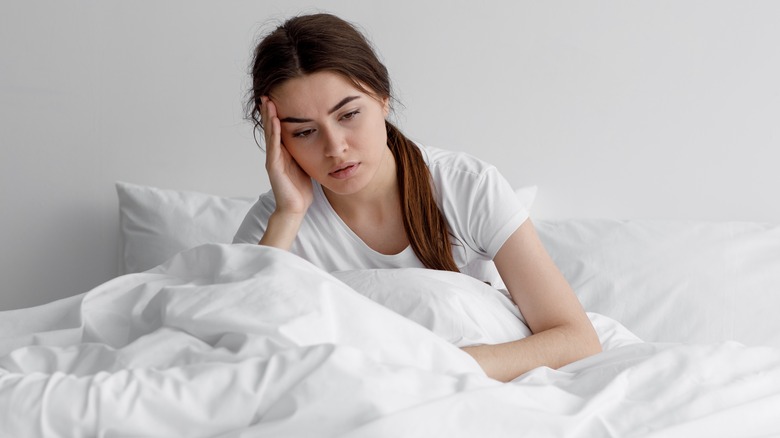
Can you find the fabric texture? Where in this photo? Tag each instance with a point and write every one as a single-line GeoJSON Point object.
{"type": "Point", "coordinates": [251, 341]}
{"type": "Point", "coordinates": [480, 206]}
{"type": "Point", "coordinates": [458, 308]}
{"type": "Point", "coordinates": [155, 223]}
{"type": "Point", "coordinates": [674, 281]}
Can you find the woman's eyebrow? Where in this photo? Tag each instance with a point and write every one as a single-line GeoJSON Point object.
{"type": "Point", "coordinates": [343, 102]}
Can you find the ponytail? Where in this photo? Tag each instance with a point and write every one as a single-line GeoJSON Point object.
{"type": "Point", "coordinates": [425, 224]}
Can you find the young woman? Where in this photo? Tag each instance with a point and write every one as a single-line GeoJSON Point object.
{"type": "Point", "coordinates": [350, 191]}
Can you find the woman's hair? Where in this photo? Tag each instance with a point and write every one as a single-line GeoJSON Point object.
{"type": "Point", "coordinates": [323, 42]}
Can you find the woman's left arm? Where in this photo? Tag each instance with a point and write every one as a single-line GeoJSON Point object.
{"type": "Point", "coordinates": [562, 332]}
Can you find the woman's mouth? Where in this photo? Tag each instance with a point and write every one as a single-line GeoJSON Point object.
{"type": "Point", "coordinates": [345, 170]}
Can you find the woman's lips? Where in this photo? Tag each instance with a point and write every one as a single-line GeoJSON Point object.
{"type": "Point", "coordinates": [344, 170]}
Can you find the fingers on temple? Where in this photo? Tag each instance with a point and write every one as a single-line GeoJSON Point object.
{"type": "Point", "coordinates": [276, 128]}
{"type": "Point", "coordinates": [270, 121]}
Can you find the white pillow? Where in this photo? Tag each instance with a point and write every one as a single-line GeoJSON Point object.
{"type": "Point", "coordinates": [461, 309]}
{"type": "Point", "coordinates": [155, 224]}
{"type": "Point", "coordinates": [667, 281]}
{"type": "Point", "coordinates": [457, 307]}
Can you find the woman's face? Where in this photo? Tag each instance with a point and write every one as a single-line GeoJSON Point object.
{"type": "Point", "coordinates": [335, 131]}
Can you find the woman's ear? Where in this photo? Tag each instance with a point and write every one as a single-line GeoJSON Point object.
{"type": "Point", "coordinates": [386, 106]}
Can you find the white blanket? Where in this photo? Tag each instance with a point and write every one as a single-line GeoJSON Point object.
{"type": "Point", "coordinates": [248, 341]}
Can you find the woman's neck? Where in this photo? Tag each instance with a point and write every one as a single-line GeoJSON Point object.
{"type": "Point", "coordinates": [379, 199]}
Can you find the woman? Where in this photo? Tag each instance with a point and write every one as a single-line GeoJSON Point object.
{"type": "Point", "coordinates": [350, 191]}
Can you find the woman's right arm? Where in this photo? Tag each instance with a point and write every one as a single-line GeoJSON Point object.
{"type": "Point", "coordinates": [291, 186]}
{"type": "Point", "coordinates": [281, 230]}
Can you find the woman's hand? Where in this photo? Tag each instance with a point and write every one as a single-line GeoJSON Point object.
{"type": "Point", "coordinates": [291, 186]}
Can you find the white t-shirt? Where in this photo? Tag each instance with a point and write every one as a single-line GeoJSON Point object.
{"type": "Point", "coordinates": [480, 206]}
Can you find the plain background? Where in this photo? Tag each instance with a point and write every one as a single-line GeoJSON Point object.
{"type": "Point", "coordinates": [619, 109]}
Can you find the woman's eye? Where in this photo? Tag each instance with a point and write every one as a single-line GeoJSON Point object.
{"type": "Point", "coordinates": [350, 115]}
{"type": "Point", "coordinates": [304, 133]}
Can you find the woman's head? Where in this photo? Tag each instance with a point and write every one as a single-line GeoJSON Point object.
{"type": "Point", "coordinates": [318, 43]}
{"type": "Point", "coordinates": [314, 43]}
{"type": "Point", "coordinates": [335, 132]}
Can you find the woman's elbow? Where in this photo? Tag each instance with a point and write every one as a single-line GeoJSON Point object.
{"type": "Point", "coordinates": [588, 340]}
{"type": "Point", "coordinates": [582, 342]}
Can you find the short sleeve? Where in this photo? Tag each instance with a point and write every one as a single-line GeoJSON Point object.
{"type": "Point", "coordinates": [253, 226]}
{"type": "Point", "coordinates": [496, 212]}
{"type": "Point", "coordinates": [481, 208]}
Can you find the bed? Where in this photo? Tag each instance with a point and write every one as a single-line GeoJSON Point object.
{"type": "Point", "coordinates": [201, 338]}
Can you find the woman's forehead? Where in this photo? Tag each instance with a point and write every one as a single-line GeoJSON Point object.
{"type": "Point", "coordinates": [320, 85]}
{"type": "Point", "coordinates": [314, 93]}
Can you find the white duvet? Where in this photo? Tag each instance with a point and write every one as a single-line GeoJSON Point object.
{"type": "Point", "coordinates": [248, 341]}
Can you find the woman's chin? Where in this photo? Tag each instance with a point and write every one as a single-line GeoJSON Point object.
{"type": "Point", "coordinates": [342, 187]}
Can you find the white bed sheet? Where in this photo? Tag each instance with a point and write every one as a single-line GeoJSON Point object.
{"type": "Point", "coordinates": [248, 341]}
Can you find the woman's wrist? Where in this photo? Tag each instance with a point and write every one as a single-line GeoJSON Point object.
{"type": "Point", "coordinates": [282, 229]}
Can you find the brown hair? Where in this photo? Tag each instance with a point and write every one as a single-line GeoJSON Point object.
{"type": "Point", "coordinates": [323, 42]}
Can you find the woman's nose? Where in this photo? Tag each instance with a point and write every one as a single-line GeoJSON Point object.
{"type": "Point", "coordinates": [335, 143]}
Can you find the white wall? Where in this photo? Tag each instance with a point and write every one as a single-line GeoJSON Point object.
{"type": "Point", "coordinates": [642, 109]}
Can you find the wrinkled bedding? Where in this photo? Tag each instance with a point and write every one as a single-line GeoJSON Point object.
{"type": "Point", "coordinates": [249, 341]}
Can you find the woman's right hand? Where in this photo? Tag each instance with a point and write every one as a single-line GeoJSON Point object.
{"type": "Point", "coordinates": [291, 186]}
